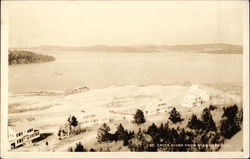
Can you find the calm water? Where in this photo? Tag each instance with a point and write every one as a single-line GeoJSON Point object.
{"type": "Point", "coordinates": [98, 70]}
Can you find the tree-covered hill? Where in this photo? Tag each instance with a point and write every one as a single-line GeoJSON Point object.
{"type": "Point", "coordinates": [25, 57]}
{"type": "Point", "coordinates": [215, 48]}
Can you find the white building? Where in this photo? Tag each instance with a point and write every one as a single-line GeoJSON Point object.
{"type": "Point", "coordinates": [18, 136]}
{"type": "Point", "coordinates": [157, 107]}
{"type": "Point", "coordinates": [192, 100]}
{"type": "Point", "coordinates": [196, 97]}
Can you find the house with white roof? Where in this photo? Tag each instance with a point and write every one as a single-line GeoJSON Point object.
{"type": "Point", "coordinates": [18, 136]}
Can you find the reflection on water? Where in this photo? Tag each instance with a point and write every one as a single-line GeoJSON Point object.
{"type": "Point", "coordinates": [98, 70]}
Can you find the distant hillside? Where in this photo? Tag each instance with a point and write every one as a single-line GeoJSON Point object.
{"type": "Point", "coordinates": [218, 48]}
{"type": "Point", "coordinates": [25, 57]}
{"type": "Point", "coordinates": [206, 48]}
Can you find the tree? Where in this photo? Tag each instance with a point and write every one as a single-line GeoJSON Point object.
{"type": "Point", "coordinates": [175, 116]}
{"type": "Point", "coordinates": [25, 57]}
{"type": "Point", "coordinates": [207, 120]}
{"type": "Point", "coordinates": [153, 132]}
{"type": "Point", "coordinates": [162, 132]}
{"type": "Point", "coordinates": [139, 117]}
{"type": "Point", "coordinates": [71, 125]}
{"type": "Point", "coordinates": [59, 133]}
{"type": "Point", "coordinates": [232, 118]}
{"type": "Point", "coordinates": [79, 147]}
{"type": "Point", "coordinates": [122, 134]}
{"type": "Point", "coordinates": [103, 133]}
{"type": "Point", "coordinates": [73, 121]}
{"type": "Point", "coordinates": [230, 112]}
{"type": "Point", "coordinates": [230, 124]}
{"type": "Point", "coordinates": [70, 149]}
{"type": "Point", "coordinates": [194, 123]}
{"type": "Point", "coordinates": [141, 142]}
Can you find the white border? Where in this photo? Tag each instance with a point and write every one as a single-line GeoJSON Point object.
{"type": "Point", "coordinates": [4, 95]}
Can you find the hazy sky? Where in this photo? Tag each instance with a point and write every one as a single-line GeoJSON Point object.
{"type": "Point", "coordinates": [123, 23]}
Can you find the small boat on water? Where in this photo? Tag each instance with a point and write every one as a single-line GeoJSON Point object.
{"type": "Point", "coordinates": [55, 73]}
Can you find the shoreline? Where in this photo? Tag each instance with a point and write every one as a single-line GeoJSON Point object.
{"type": "Point", "coordinates": [86, 88]}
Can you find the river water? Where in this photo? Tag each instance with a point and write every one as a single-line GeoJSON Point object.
{"type": "Point", "coordinates": [100, 70]}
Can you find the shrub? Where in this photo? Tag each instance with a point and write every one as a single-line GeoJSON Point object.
{"type": "Point", "coordinates": [92, 150]}
{"type": "Point", "coordinates": [139, 117]}
{"type": "Point", "coordinates": [113, 146]}
{"type": "Point", "coordinates": [175, 116]}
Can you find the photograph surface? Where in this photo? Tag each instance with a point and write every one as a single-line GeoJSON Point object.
{"type": "Point", "coordinates": [124, 76]}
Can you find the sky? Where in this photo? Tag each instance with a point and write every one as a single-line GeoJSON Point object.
{"type": "Point", "coordinates": [123, 23]}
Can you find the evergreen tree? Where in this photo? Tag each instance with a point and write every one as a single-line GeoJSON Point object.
{"type": "Point", "coordinates": [227, 128]}
{"type": "Point", "coordinates": [79, 147]}
{"type": "Point", "coordinates": [162, 133]}
{"type": "Point", "coordinates": [104, 133]}
{"type": "Point", "coordinates": [72, 121]}
{"type": "Point", "coordinates": [153, 132]}
{"type": "Point", "coordinates": [230, 112]}
{"type": "Point", "coordinates": [194, 123]}
{"type": "Point", "coordinates": [175, 116]}
{"type": "Point", "coordinates": [71, 125]}
{"type": "Point", "coordinates": [230, 124]}
{"type": "Point", "coordinates": [141, 142]}
{"type": "Point", "coordinates": [59, 133]}
{"type": "Point", "coordinates": [139, 117]}
{"type": "Point", "coordinates": [122, 134]}
{"type": "Point", "coordinates": [207, 120]}
{"type": "Point", "coordinates": [166, 133]}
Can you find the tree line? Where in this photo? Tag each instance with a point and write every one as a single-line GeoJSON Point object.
{"type": "Point", "coordinates": [26, 57]}
{"type": "Point", "coordinates": [200, 134]}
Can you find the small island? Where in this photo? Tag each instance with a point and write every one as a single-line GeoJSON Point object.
{"type": "Point", "coordinates": [26, 57]}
